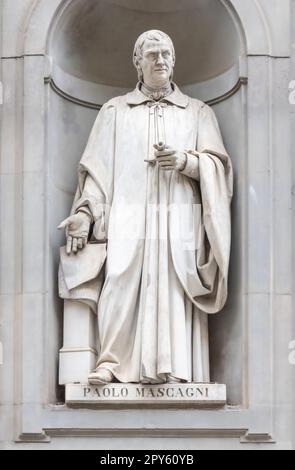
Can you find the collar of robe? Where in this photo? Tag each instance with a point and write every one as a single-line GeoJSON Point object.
{"type": "Point", "coordinates": [137, 97]}
{"type": "Point", "coordinates": [156, 95]}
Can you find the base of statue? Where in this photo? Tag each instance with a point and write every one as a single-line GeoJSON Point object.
{"type": "Point", "coordinates": [189, 394]}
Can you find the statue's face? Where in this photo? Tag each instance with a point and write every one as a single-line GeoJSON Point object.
{"type": "Point", "coordinates": [157, 63]}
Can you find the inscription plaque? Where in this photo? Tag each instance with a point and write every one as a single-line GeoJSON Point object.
{"type": "Point", "coordinates": [193, 394]}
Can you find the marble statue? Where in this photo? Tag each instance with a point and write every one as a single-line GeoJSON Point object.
{"type": "Point", "coordinates": [155, 183]}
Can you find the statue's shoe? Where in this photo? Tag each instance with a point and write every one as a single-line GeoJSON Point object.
{"type": "Point", "coordinates": [172, 380]}
{"type": "Point", "coordinates": [101, 376]}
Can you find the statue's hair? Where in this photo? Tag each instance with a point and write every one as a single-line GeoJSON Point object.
{"type": "Point", "coordinates": [152, 35]}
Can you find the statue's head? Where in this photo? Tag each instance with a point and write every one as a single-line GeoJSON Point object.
{"type": "Point", "coordinates": [154, 58]}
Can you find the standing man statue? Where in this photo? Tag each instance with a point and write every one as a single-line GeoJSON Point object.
{"type": "Point", "coordinates": [156, 182]}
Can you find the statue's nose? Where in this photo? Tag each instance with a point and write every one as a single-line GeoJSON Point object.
{"type": "Point", "coordinates": [160, 59]}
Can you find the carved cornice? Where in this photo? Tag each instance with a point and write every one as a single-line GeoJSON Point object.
{"type": "Point", "coordinates": [90, 105]}
{"type": "Point", "coordinates": [241, 434]}
{"type": "Point", "coordinates": [33, 438]}
{"type": "Point", "coordinates": [226, 433]}
{"type": "Point", "coordinates": [242, 81]}
{"type": "Point", "coordinates": [72, 99]}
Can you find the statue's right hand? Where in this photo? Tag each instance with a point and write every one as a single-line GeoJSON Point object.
{"type": "Point", "coordinates": [77, 230]}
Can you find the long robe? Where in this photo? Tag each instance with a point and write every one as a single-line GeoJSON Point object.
{"type": "Point", "coordinates": [168, 235]}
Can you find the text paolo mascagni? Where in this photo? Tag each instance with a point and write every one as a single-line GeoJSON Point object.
{"type": "Point", "coordinates": [147, 392]}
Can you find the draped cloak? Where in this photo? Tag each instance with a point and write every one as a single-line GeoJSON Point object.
{"type": "Point", "coordinates": [168, 235]}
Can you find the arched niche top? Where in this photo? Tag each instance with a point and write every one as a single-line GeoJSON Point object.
{"type": "Point", "coordinates": [93, 40]}
{"type": "Point", "coordinates": [253, 23]}
{"type": "Point", "coordinates": [257, 19]}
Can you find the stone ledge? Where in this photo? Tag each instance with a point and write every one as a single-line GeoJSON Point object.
{"type": "Point", "coordinates": [193, 394]}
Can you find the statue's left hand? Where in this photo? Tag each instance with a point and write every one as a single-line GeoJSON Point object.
{"type": "Point", "coordinates": [170, 159]}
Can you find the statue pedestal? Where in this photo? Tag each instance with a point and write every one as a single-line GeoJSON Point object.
{"type": "Point", "coordinates": [190, 395]}
{"type": "Point", "coordinates": [78, 355]}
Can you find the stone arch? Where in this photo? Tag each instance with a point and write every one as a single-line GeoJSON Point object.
{"type": "Point", "coordinates": [44, 19]}
{"type": "Point", "coordinates": [77, 47]}
{"type": "Point", "coordinates": [252, 22]}
{"type": "Point", "coordinates": [255, 29]}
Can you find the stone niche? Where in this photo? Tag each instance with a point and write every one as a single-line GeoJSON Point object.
{"type": "Point", "coordinates": [90, 54]}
